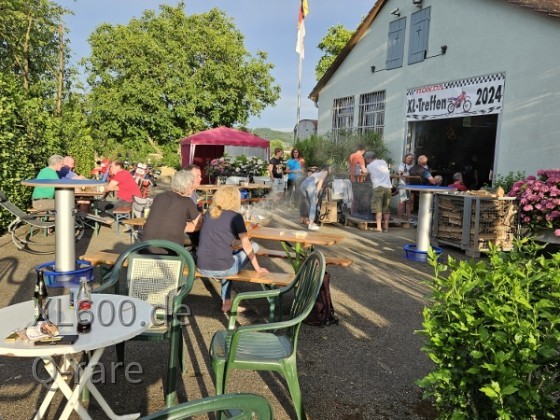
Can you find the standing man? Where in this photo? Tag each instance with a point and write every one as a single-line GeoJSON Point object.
{"type": "Point", "coordinates": [276, 171]}
{"type": "Point", "coordinates": [381, 181]}
{"type": "Point", "coordinates": [43, 197]}
{"type": "Point", "coordinates": [124, 186]}
{"type": "Point", "coordinates": [404, 195]}
{"type": "Point", "coordinates": [356, 164]}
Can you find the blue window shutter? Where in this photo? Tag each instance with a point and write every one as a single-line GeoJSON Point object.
{"type": "Point", "coordinates": [418, 39]}
{"type": "Point", "coordinates": [395, 44]}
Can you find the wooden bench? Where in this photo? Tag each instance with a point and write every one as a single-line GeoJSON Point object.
{"type": "Point", "coordinates": [120, 213]}
{"type": "Point", "coordinates": [278, 253]}
{"type": "Point", "coordinates": [98, 258]}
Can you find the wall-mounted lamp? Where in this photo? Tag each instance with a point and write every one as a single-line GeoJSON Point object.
{"type": "Point", "coordinates": [417, 3]}
{"type": "Point", "coordinates": [443, 49]}
{"type": "Point", "coordinates": [396, 12]}
{"type": "Point", "coordinates": [372, 69]}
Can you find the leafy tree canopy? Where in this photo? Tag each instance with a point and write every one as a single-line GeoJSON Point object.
{"type": "Point", "coordinates": [331, 45]}
{"type": "Point", "coordinates": [30, 47]}
{"type": "Point", "coordinates": [166, 75]}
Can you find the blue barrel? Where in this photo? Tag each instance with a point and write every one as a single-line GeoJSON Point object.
{"type": "Point", "coordinates": [66, 279]}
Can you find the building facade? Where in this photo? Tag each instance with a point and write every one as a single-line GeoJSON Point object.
{"type": "Point", "coordinates": [472, 84]}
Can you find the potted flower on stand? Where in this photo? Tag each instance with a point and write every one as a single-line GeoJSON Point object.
{"type": "Point", "coordinates": [218, 169]}
{"type": "Point", "coordinates": [539, 204]}
{"type": "Point", "coordinates": [249, 166]}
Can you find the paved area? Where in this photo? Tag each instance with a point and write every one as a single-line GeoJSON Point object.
{"type": "Point", "coordinates": [365, 367]}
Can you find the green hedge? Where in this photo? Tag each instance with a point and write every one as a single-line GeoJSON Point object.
{"type": "Point", "coordinates": [493, 333]}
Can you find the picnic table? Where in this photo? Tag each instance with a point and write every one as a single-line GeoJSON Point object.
{"type": "Point", "coordinates": [296, 243]}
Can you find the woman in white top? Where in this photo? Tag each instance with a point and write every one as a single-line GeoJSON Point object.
{"type": "Point", "coordinates": [310, 189]}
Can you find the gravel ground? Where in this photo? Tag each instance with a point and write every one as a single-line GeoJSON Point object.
{"type": "Point", "coordinates": [363, 368]}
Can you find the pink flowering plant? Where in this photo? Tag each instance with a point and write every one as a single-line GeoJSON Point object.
{"type": "Point", "coordinates": [539, 200]}
{"type": "Point", "coordinates": [218, 167]}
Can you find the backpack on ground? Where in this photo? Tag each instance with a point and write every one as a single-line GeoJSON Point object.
{"type": "Point", "coordinates": [417, 170]}
{"type": "Point", "coordinates": [323, 312]}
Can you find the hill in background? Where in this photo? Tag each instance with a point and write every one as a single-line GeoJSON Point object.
{"type": "Point", "coordinates": [287, 137]}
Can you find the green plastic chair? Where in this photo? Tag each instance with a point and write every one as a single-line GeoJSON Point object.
{"type": "Point", "coordinates": [167, 293]}
{"type": "Point", "coordinates": [271, 346]}
{"type": "Point", "coordinates": [251, 406]}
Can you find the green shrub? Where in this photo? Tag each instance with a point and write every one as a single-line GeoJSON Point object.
{"type": "Point", "coordinates": [507, 181]}
{"type": "Point", "coordinates": [493, 334]}
{"type": "Point", "coordinates": [322, 150]}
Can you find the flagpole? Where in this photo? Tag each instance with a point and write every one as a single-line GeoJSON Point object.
{"type": "Point", "coordinates": [300, 66]}
{"type": "Point", "coordinates": [303, 10]}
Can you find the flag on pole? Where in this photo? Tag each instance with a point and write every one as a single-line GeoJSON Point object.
{"type": "Point", "coordinates": [303, 10]}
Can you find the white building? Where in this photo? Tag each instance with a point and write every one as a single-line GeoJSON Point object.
{"type": "Point", "coordinates": [451, 79]}
{"type": "Point", "coordinates": [305, 129]}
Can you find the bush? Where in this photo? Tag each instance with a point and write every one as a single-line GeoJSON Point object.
{"type": "Point", "coordinates": [507, 181]}
{"type": "Point", "coordinates": [322, 150]}
{"type": "Point", "coordinates": [493, 333]}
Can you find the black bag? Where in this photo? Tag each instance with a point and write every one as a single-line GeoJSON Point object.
{"type": "Point", "coordinates": [417, 170]}
{"type": "Point", "coordinates": [323, 312]}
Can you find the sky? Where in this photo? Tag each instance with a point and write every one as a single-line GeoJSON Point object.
{"type": "Point", "coordinates": [268, 25]}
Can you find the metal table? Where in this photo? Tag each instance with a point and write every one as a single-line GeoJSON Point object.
{"type": "Point", "coordinates": [65, 216]}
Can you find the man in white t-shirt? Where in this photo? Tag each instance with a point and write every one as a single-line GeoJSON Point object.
{"type": "Point", "coordinates": [381, 181]}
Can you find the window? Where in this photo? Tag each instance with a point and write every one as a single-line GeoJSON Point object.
{"type": "Point", "coordinates": [418, 40]}
{"type": "Point", "coordinates": [395, 44]}
{"type": "Point", "coordinates": [343, 115]}
{"type": "Point", "coordinates": [372, 113]}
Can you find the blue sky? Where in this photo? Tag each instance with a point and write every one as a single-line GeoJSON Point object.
{"type": "Point", "coordinates": [268, 25]}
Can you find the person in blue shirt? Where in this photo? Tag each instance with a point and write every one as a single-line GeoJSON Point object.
{"type": "Point", "coordinates": [295, 167]}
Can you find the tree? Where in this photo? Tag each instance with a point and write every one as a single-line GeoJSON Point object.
{"type": "Point", "coordinates": [166, 75]}
{"type": "Point", "coordinates": [30, 45]}
{"type": "Point", "coordinates": [32, 54]}
{"type": "Point", "coordinates": [335, 40]}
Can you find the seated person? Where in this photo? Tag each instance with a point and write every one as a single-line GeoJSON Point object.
{"type": "Point", "coordinates": [197, 173]}
{"type": "Point", "coordinates": [173, 213]}
{"type": "Point", "coordinates": [124, 186]}
{"type": "Point", "coordinates": [67, 169]}
{"type": "Point", "coordinates": [221, 227]}
{"type": "Point", "coordinates": [458, 182]}
{"type": "Point", "coordinates": [43, 197]}
{"type": "Point", "coordinates": [438, 180]}
{"type": "Point", "coordinates": [101, 172]}
{"type": "Point", "coordinates": [67, 172]}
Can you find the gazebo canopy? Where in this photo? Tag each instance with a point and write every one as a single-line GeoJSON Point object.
{"type": "Point", "coordinates": [220, 137]}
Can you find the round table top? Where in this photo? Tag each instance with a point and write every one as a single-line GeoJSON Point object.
{"type": "Point", "coordinates": [116, 319]}
{"type": "Point", "coordinates": [427, 188]}
{"type": "Point", "coordinates": [63, 183]}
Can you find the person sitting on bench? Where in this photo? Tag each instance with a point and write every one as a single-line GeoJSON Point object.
{"type": "Point", "coordinates": [173, 213]}
{"type": "Point", "coordinates": [43, 197]}
{"type": "Point", "coordinates": [124, 186]}
{"type": "Point", "coordinates": [222, 226]}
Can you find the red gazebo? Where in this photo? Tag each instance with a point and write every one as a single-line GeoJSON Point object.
{"type": "Point", "coordinates": [210, 144]}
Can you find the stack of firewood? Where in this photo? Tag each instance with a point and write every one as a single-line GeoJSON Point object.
{"type": "Point", "coordinates": [496, 221]}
